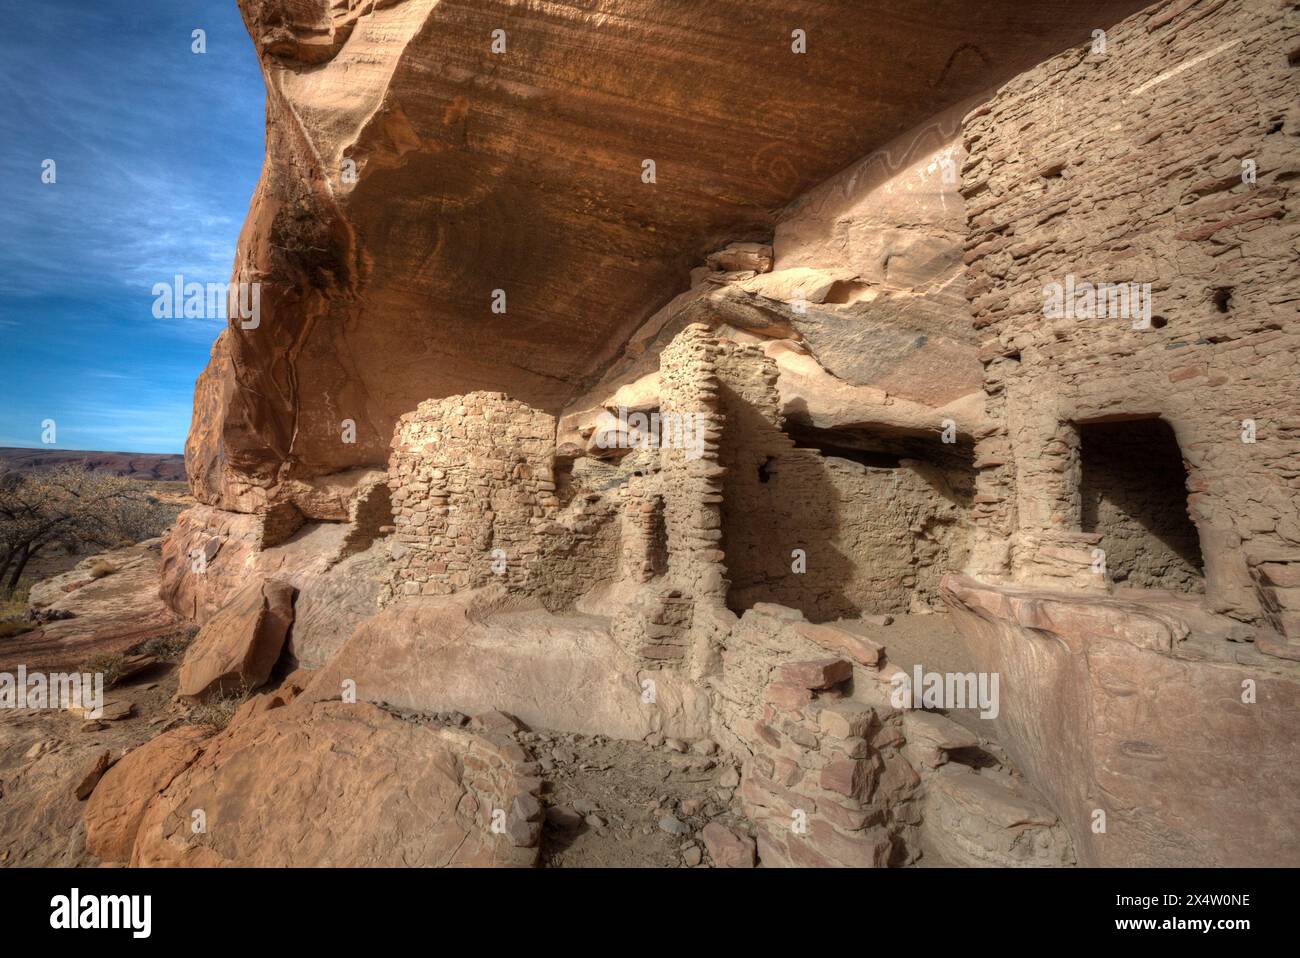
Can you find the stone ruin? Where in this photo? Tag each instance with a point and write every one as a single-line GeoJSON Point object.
{"type": "Point", "coordinates": [1011, 394]}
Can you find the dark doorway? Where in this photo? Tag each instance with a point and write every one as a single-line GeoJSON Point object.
{"type": "Point", "coordinates": [1134, 491]}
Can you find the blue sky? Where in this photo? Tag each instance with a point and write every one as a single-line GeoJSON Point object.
{"type": "Point", "coordinates": [157, 152]}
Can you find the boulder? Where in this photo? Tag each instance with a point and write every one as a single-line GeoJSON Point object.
{"type": "Point", "coordinates": [930, 736]}
{"type": "Point", "coordinates": [344, 785]}
{"type": "Point", "coordinates": [222, 544]}
{"type": "Point", "coordinates": [813, 396]}
{"type": "Point", "coordinates": [752, 257]}
{"type": "Point", "coordinates": [337, 587]}
{"type": "Point", "coordinates": [118, 802]}
{"type": "Point", "coordinates": [986, 819]}
{"type": "Point", "coordinates": [101, 764]}
{"type": "Point", "coordinates": [239, 646]}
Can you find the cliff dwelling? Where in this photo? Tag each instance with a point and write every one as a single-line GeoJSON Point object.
{"type": "Point", "coordinates": [696, 465]}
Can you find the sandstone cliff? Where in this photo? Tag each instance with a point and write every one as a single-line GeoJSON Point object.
{"type": "Point", "coordinates": [759, 476]}
{"type": "Point", "coordinates": [412, 172]}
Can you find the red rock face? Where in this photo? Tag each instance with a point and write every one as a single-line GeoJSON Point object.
{"type": "Point", "coordinates": [412, 171]}
{"type": "Point", "coordinates": [291, 786]}
{"type": "Point", "coordinates": [1100, 700]}
{"type": "Point", "coordinates": [238, 648]}
{"type": "Point", "coordinates": [485, 237]}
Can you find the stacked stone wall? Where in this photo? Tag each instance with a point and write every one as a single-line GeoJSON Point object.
{"type": "Point", "coordinates": [826, 535]}
{"type": "Point", "coordinates": [691, 477]}
{"type": "Point", "coordinates": [474, 503]}
{"type": "Point", "coordinates": [1169, 157]}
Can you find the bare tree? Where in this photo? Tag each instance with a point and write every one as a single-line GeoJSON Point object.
{"type": "Point", "coordinates": [71, 507]}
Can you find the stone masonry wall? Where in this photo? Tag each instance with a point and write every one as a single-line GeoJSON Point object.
{"type": "Point", "coordinates": [474, 503]}
{"type": "Point", "coordinates": [1169, 157]}
{"type": "Point", "coordinates": [692, 486]}
{"type": "Point", "coordinates": [823, 779]}
{"type": "Point", "coordinates": [873, 539]}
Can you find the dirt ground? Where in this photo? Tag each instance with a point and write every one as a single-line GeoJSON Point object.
{"type": "Point", "coordinates": [617, 804]}
{"type": "Point", "coordinates": [628, 796]}
{"type": "Point", "coordinates": [45, 754]}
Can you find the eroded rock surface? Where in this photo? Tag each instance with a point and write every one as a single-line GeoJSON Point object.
{"type": "Point", "coordinates": [1097, 708]}
{"type": "Point", "coordinates": [95, 614]}
{"type": "Point", "coordinates": [239, 646]}
{"type": "Point", "coordinates": [412, 171]}
{"type": "Point", "coordinates": [552, 671]}
{"type": "Point", "coordinates": [343, 785]}
{"type": "Point", "coordinates": [118, 803]}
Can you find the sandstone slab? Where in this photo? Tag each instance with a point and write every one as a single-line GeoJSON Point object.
{"type": "Point", "coordinates": [239, 646]}
{"type": "Point", "coordinates": [105, 616]}
{"type": "Point", "coordinates": [118, 802]}
{"type": "Point", "coordinates": [842, 641]}
{"type": "Point", "coordinates": [1096, 714]}
{"type": "Point", "coordinates": [550, 671]}
{"type": "Point", "coordinates": [343, 785]}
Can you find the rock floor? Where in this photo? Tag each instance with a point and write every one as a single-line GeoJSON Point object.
{"type": "Point", "coordinates": [609, 803]}
{"type": "Point", "coordinates": [45, 755]}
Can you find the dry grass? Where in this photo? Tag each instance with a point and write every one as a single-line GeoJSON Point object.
{"type": "Point", "coordinates": [108, 663]}
{"type": "Point", "coordinates": [13, 613]}
{"type": "Point", "coordinates": [102, 568]}
{"type": "Point", "coordinates": [166, 648]}
{"type": "Point", "coordinates": [14, 603]}
{"type": "Point", "coordinates": [170, 647]}
{"type": "Point", "coordinates": [217, 711]}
